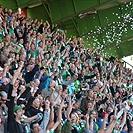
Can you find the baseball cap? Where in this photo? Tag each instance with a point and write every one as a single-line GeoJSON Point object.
{"type": "Point", "coordinates": [17, 107]}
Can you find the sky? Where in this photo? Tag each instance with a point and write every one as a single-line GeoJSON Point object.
{"type": "Point", "coordinates": [129, 59]}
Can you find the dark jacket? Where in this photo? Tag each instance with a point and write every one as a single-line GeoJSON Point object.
{"type": "Point", "coordinates": [12, 125]}
{"type": "Point", "coordinates": [29, 75]}
{"type": "Point", "coordinates": [84, 105]}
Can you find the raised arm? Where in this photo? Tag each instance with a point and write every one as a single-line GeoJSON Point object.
{"type": "Point", "coordinates": [46, 117]}
{"type": "Point", "coordinates": [51, 119]}
{"type": "Point", "coordinates": [50, 59]}
{"type": "Point", "coordinates": [15, 76]}
{"type": "Point", "coordinates": [17, 72]}
{"type": "Point", "coordinates": [5, 71]}
{"type": "Point", "coordinates": [51, 96]}
{"type": "Point", "coordinates": [57, 98]}
{"type": "Point", "coordinates": [103, 123]}
{"type": "Point", "coordinates": [87, 121]}
{"type": "Point", "coordinates": [12, 93]}
{"type": "Point", "coordinates": [123, 119]}
{"type": "Point", "coordinates": [11, 105]}
{"type": "Point", "coordinates": [91, 124]}
{"type": "Point", "coordinates": [58, 118]}
{"type": "Point", "coordinates": [69, 109]}
{"type": "Point", "coordinates": [47, 24]}
{"type": "Point", "coordinates": [111, 125]}
{"type": "Point", "coordinates": [5, 28]}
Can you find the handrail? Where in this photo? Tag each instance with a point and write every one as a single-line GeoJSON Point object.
{"type": "Point", "coordinates": [127, 63]}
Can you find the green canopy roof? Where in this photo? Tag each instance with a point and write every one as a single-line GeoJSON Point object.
{"type": "Point", "coordinates": [107, 24]}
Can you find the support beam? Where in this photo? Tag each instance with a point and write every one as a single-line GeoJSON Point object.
{"type": "Point", "coordinates": [76, 26]}
{"type": "Point", "coordinates": [106, 3]}
{"type": "Point", "coordinates": [25, 4]}
{"type": "Point", "coordinates": [47, 10]}
{"type": "Point", "coordinates": [77, 13]}
{"type": "Point", "coordinates": [74, 7]}
{"type": "Point", "coordinates": [17, 3]}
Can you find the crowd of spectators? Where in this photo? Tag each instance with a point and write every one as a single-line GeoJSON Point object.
{"type": "Point", "coordinates": [50, 84]}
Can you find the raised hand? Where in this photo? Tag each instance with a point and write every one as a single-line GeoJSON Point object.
{"type": "Point", "coordinates": [87, 117]}
{"type": "Point", "coordinates": [106, 116]}
{"type": "Point", "coordinates": [69, 97]}
{"type": "Point", "coordinates": [21, 63]}
{"type": "Point", "coordinates": [47, 104]}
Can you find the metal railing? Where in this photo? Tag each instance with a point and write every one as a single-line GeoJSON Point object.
{"type": "Point", "coordinates": [126, 63]}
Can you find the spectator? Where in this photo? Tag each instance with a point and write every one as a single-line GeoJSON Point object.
{"type": "Point", "coordinates": [35, 127]}
{"type": "Point", "coordinates": [52, 84]}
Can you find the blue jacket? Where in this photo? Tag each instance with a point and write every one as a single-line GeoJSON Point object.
{"type": "Point", "coordinates": [42, 80]}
